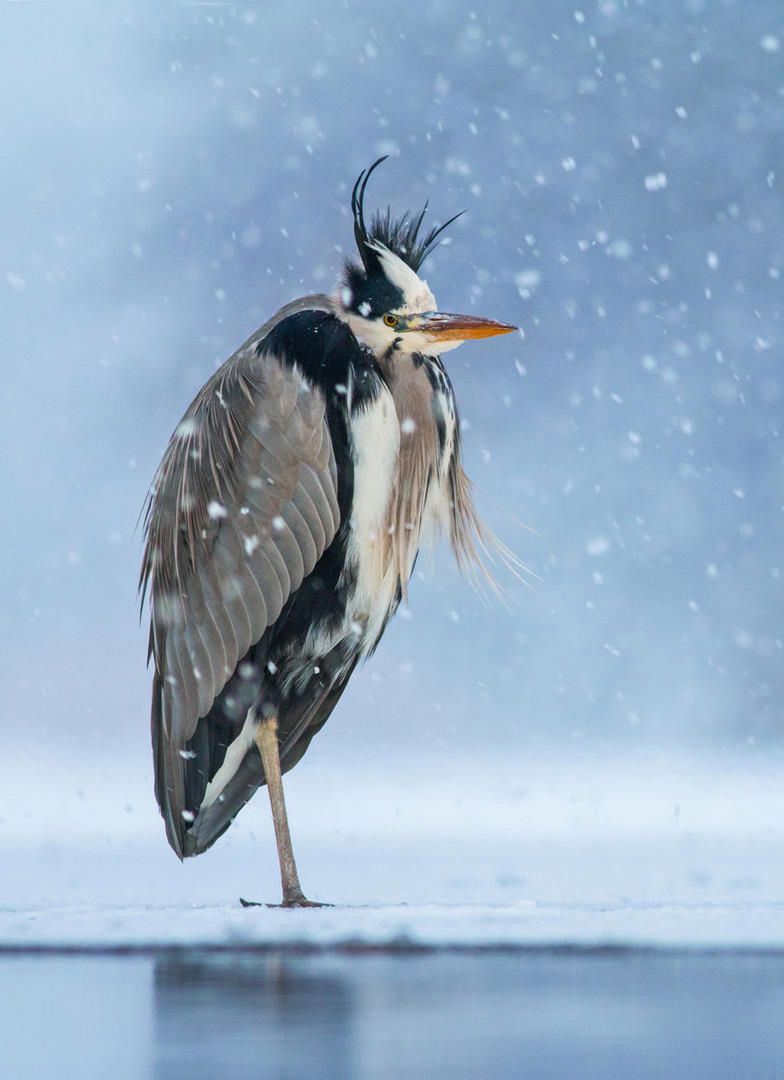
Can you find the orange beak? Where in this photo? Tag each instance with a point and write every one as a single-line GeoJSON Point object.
{"type": "Point", "coordinates": [440, 326]}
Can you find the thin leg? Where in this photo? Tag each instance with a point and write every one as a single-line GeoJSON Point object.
{"type": "Point", "coordinates": [267, 742]}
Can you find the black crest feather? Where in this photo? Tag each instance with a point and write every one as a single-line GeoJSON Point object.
{"type": "Point", "coordinates": [400, 235]}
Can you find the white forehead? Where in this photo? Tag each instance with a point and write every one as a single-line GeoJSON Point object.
{"type": "Point", "coordinates": [416, 292]}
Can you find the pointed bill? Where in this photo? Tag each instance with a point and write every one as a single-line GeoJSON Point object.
{"type": "Point", "coordinates": [441, 326]}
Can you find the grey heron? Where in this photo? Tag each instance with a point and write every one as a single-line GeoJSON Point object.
{"type": "Point", "coordinates": [283, 524]}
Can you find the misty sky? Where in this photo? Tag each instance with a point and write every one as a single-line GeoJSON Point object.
{"type": "Point", "coordinates": [171, 177]}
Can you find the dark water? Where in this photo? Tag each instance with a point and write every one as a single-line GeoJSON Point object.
{"type": "Point", "coordinates": [542, 1014]}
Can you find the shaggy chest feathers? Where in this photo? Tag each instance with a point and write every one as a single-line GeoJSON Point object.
{"type": "Point", "coordinates": [401, 440]}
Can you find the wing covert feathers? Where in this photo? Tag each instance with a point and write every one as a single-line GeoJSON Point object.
{"type": "Point", "coordinates": [242, 507]}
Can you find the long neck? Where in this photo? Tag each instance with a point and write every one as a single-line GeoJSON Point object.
{"type": "Point", "coordinates": [422, 468]}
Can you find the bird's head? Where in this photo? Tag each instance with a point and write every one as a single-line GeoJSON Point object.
{"type": "Point", "coordinates": [386, 303]}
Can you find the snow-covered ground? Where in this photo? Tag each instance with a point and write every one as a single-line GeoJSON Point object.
{"type": "Point", "coordinates": [517, 925]}
{"type": "Point", "coordinates": [625, 853]}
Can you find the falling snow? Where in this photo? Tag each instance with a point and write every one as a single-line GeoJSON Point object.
{"type": "Point", "coordinates": [250, 543]}
{"type": "Point", "coordinates": [656, 182]}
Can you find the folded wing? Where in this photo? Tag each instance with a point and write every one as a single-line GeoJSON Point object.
{"type": "Point", "coordinates": [243, 506]}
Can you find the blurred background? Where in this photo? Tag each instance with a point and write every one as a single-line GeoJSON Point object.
{"type": "Point", "coordinates": [172, 176]}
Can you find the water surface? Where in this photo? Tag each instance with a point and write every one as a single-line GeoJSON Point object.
{"type": "Point", "coordinates": [537, 1014]}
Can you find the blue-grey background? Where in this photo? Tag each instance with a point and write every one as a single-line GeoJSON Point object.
{"type": "Point", "coordinates": [171, 175]}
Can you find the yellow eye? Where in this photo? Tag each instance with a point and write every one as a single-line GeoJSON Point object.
{"type": "Point", "coordinates": [391, 320]}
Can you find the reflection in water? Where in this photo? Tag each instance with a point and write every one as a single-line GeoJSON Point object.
{"type": "Point", "coordinates": [250, 1016]}
{"type": "Point", "coordinates": [538, 1015]}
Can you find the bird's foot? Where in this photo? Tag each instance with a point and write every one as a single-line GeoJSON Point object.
{"type": "Point", "coordinates": [288, 902]}
{"type": "Point", "coordinates": [300, 901]}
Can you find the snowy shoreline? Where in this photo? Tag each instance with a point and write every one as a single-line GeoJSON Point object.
{"type": "Point", "coordinates": [519, 926]}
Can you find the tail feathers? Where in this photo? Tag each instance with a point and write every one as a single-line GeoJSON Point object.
{"type": "Point", "coordinates": [169, 788]}
{"type": "Point", "coordinates": [213, 820]}
{"type": "Point", "coordinates": [237, 772]}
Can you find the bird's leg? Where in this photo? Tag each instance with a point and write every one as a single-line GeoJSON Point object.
{"type": "Point", "coordinates": [267, 742]}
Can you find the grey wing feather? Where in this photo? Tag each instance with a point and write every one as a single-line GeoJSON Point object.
{"type": "Point", "coordinates": [307, 716]}
{"type": "Point", "coordinates": [242, 507]}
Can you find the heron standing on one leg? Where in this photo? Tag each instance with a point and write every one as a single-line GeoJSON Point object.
{"type": "Point", "coordinates": [284, 522]}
